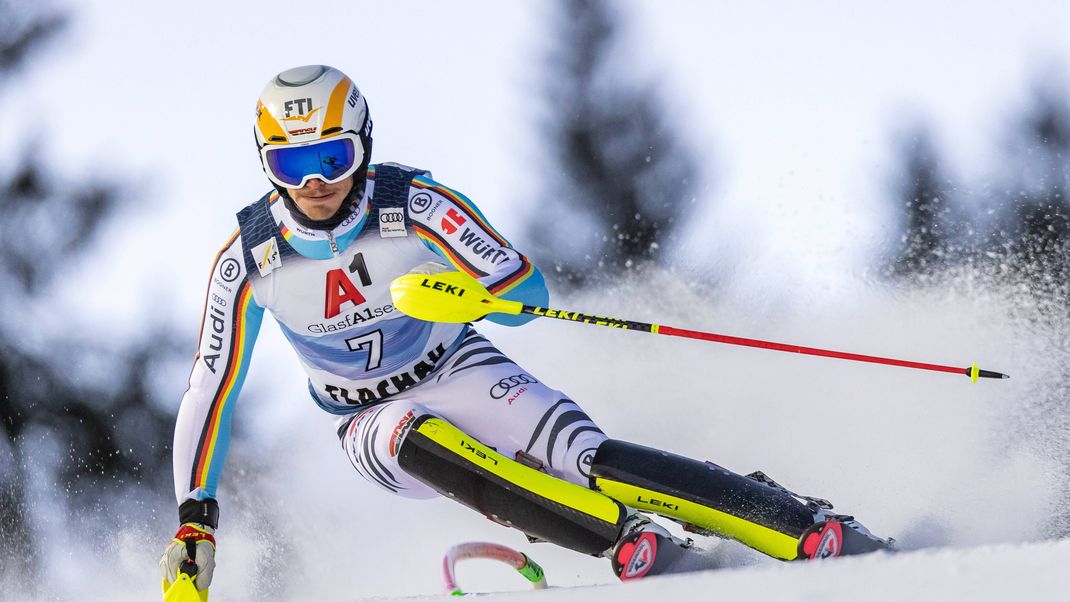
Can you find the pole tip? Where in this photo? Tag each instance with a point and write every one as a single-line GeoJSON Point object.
{"type": "Point", "coordinates": [974, 373]}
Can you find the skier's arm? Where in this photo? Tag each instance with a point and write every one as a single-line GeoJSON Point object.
{"type": "Point", "coordinates": [228, 331]}
{"type": "Point", "coordinates": [454, 228]}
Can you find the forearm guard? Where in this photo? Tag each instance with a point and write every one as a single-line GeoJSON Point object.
{"type": "Point", "coordinates": [205, 512]}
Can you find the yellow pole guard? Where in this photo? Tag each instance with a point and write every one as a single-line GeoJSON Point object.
{"type": "Point", "coordinates": [452, 297]}
{"type": "Point", "coordinates": [763, 539]}
{"type": "Point", "coordinates": [974, 371]}
{"type": "Point", "coordinates": [574, 496]}
{"type": "Point", "coordinates": [183, 590]}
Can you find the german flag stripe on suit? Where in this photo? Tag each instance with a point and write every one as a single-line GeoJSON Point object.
{"type": "Point", "coordinates": [215, 434]}
{"type": "Point", "coordinates": [507, 282]}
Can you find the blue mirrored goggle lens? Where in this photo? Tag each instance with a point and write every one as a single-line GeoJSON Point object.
{"type": "Point", "coordinates": [329, 160]}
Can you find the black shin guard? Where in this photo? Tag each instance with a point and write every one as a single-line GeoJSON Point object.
{"type": "Point", "coordinates": [763, 517]}
{"type": "Point", "coordinates": [458, 466]}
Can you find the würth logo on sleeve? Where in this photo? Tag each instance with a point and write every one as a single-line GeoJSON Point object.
{"type": "Point", "coordinates": [452, 220]}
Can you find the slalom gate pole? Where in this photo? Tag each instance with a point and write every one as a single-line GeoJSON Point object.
{"type": "Point", "coordinates": [457, 297]}
{"type": "Point", "coordinates": [523, 564]}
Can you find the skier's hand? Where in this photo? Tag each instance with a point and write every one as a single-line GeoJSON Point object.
{"type": "Point", "coordinates": [175, 556]}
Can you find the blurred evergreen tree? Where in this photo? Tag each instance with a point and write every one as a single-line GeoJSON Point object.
{"type": "Point", "coordinates": [1020, 233]}
{"type": "Point", "coordinates": [1034, 239]}
{"type": "Point", "coordinates": [103, 433]}
{"type": "Point", "coordinates": [924, 194]}
{"type": "Point", "coordinates": [1017, 239]}
{"type": "Point", "coordinates": [623, 178]}
{"type": "Point", "coordinates": [1032, 248]}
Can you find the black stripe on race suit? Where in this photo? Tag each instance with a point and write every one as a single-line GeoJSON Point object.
{"type": "Point", "coordinates": [362, 455]}
{"type": "Point", "coordinates": [371, 407]}
{"type": "Point", "coordinates": [542, 422]}
{"type": "Point", "coordinates": [377, 462]}
{"type": "Point", "coordinates": [493, 361]}
{"type": "Point", "coordinates": [341, 431]}
{"type": "Point", "coordinates": [563, 421]}
{"type": "Point", "coordinates": [471, 339]}
{"type": "Point", "coordinates": [475, 352]}
{"type": "Point", "coordinates": [457, 358]}
{"type": "Point", "coordinates": [362, 467]}
{"type": "Point", "coordinates": [368, 437]}
{"type": "Point", "coordinates": [371, 475]}
{"type": "Point", "coordinates": [362, 470]}
{"type": "Point", "coordinates": [581, 430]}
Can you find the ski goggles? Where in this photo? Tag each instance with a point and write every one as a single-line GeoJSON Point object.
{"type": "Point", "coordinates": [331, 160]}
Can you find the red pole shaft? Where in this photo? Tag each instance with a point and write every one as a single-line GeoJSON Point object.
{"type": "Point", "coordinates": [720, 338]}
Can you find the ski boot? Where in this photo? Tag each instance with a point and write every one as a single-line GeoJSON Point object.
{"type": "Point", "coordinates": [645, 548]}
{"type": "Point", "coordinates": [840, 535]}
{"type": "Point", "coordinates": [832, 534]}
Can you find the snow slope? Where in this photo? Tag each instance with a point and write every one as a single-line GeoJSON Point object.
{"type": "Point", "coordinates": [1033, 571]}
{"type": "Point", "coordinates": [967, 477]}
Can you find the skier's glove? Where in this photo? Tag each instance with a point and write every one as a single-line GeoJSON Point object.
{"type": "Point", "coordinates": [196, 538]}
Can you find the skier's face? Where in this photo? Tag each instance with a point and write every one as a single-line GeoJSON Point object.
{"type": "Point", "coordinates": [320, 200]}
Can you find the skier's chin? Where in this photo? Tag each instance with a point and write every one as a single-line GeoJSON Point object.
{"type": "Point", "coordinates": [322, 206]}
{"type": "Point", "coordinates": [321, 201]}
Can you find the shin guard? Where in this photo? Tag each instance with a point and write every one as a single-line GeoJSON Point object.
{"type": "Point", "coordinates": [705, 495]}
{"type": "Point", "coordinates": [458, 466]}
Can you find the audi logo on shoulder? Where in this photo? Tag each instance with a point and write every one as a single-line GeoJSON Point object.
{"type": "Point", "coordinates": [503, 386]}
{"type": "Point", "coordinates": [391, 218]}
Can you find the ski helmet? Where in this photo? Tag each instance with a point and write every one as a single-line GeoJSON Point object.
{"type": "Point", "coordinates": [313, 122]}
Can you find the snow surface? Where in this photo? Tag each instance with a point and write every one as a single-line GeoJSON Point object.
{"type": "Point", "coordinates": [967, 477]}
{"type": "Point", "coordinates": [1035, 571]}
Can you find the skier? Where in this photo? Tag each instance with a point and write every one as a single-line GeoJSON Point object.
{"type": "Point", "coordinates": [425, 408]}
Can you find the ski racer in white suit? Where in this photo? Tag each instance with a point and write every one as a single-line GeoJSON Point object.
{"type": "Point", "coordinates": [422, 408]}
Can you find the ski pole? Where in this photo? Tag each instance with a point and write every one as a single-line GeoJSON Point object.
{"type": "Point", "coordinates": [457, 297]}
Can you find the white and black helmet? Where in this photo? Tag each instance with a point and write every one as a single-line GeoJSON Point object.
{"type": "Point", "coordinates": [313, 122]}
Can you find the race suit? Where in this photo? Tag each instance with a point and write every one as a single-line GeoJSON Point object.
{"type": "Point", "coordinates": [373, 367]}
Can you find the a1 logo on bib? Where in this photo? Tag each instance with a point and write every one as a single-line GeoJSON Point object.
{"type": "Point", "coordinates": [392, 222]}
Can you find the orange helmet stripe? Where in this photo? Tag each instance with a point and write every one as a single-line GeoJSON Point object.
{"type": "Point", "coordinates": [335, 106]}
{"type": "Point", "coordinates": [269, 127]}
